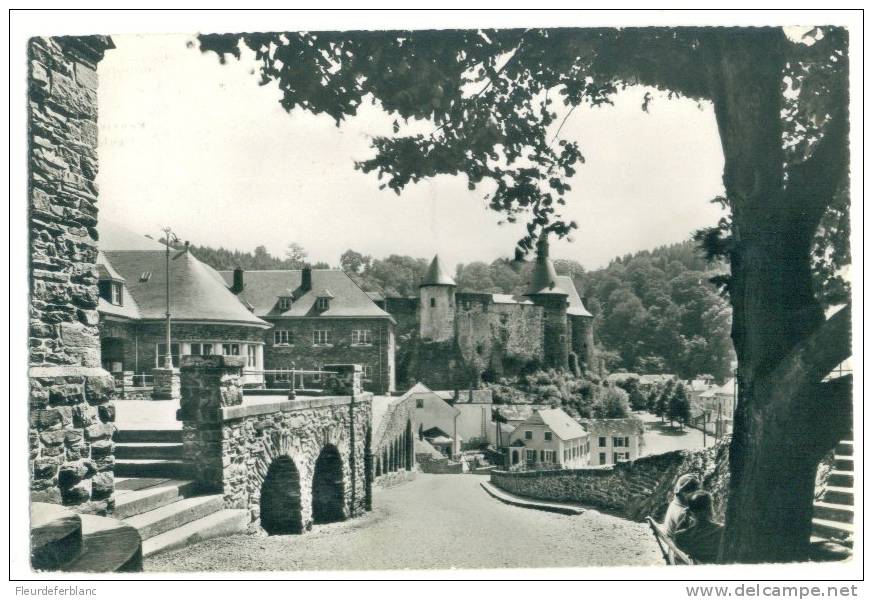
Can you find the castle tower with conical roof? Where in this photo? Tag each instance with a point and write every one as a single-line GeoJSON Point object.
{"type": "Point", "coordinates": [436, 321]}
{"type": "Point", "coordinates": [544, 291]}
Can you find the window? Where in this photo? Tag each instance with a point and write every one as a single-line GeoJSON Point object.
{"type": "Point", "coordinates": [419, 403]}
{"type": "Point", "coordinates": [284, 303]}
{"type": "Point", "coordinates": [162, 354]}
{"type": "Point", "coordinates": [317, 376]}
{"type": "Point", "coordinates": [366, 372]}
{"type": "Point", "coordinates": [230, 349]}
{"type": "Point", "coordinates": [207, 349]}
{"type": "Point", "coordinates": [116, 293]}
{"type": "Point", "coordinates": [618, 442]}
{"type": "Point", "coordinates": [601, 441]}
{"type": "Point", "coordinates": [432, 302]}
{"type": "Point", "coordinates": [322, 303]}
{"type": "Point", "coordinates": [362, 337]}
{"type": "Point", "coordinates": [530, 456]}
{"type": "Point", "coordinates": [251, 355]}
{"type": "Point", "coordinates": [548, 436]}
{"type": "Point", "coordinates": [549, 456]}
{"type": "Point", "coordinates": [620, 456]}
{"type": "Point", "coordinates": [281, 337]}
{"type": "Point", "coordinates": [528, 435]}
{"type": "Point", "coordinates": [319, 336]}
{"type": "Point", "coordinates": [603, 458]}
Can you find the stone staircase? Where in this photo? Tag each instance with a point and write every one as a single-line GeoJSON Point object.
{"type": "Point", "coordinates": [155, 496]}
{"type": "Point", "coordinates": [834, 514]}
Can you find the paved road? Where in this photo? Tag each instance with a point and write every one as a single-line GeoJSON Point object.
{"type": "Point", "coordinates": [432, 522]}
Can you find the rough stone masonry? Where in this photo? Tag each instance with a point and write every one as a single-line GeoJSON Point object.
{"type": "Point", "coordinates": [234, 446]}
{"type": "Point", "coordinates": [71, 410]}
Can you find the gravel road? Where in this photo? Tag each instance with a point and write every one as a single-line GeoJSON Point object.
{"type": "Point", "coordinates": [431, 522]}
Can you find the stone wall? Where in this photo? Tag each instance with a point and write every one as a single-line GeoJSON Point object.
{"type": "Point", "coordinates": [303, 354]}
{"type": "Point", "coordinates": [631, 489]}
{"type": "Point", "coordinates": [234, 444]}
{"type": "Point", "coordinates": [71, 413]}
{"type": "Point", "coordinates": [394, 439]}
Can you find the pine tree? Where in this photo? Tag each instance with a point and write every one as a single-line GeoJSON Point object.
{"type": "Point", "coordinates": [679, 406]}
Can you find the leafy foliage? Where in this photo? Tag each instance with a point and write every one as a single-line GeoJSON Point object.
{"type": "Point", "coordinates": [223, 259]}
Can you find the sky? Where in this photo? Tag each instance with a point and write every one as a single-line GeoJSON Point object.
{"type": "Point", "coordinates": [198, 146]}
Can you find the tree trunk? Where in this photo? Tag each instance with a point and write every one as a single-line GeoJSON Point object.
{"type": "Point", "coordinates": [780, 433]}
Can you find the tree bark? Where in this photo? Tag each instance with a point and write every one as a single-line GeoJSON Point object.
{"type": "Point", "coordinates": [781, 429]}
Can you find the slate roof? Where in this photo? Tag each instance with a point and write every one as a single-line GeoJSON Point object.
{"type": "Point", "coordinates": [576, 307]}
{"type": "Point", "coordinates": [620, 377]}
{"type": "Point", "coordinates": [262, 289]}
{"type": "Point", "coordinates": [116, 237]}
{"type": "Point", "coordinates": [721, 390]}
{"type": "Point", "coordinates": [561, 424]}
{"type": "Point", "coordinates": [437, 274]}
{"type": "Point", "coordinates": [197, 293]}
{"type": "Point", "coordinates": [629, 426]}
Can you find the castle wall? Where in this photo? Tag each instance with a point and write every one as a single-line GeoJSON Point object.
{"type": "Point", "coordinates": [499, 337]}
{"type": "Point", "coordinates": [582, 344]}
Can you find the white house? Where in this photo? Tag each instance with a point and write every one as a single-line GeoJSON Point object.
{"type": "Point", "coordinates": [549, 437]}
{"type": "Point", "coordinates": [615, 440]}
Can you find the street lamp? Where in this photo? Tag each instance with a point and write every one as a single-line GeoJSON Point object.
{"type": "Point", "coordinates": [169, 238]}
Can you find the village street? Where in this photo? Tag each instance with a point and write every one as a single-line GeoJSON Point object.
{"type": "Point", "coordinates": [432, 522]}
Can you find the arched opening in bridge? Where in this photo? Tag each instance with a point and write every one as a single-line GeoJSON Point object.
{"type": "Point", "coordinates": [410, 446]}
{"type": "Point", "coordinates": [328, 488]}
{"type": "Point", "coordinates": [280, 498]}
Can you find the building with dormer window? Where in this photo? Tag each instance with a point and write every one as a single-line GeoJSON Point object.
{"type": "Point", "coordinates": [206, 318]}
{"type": "Point", "coordinates": [319, 317]}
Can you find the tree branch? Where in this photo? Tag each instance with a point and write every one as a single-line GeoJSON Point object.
{"type": "Point", "coordinates": [816, 356]}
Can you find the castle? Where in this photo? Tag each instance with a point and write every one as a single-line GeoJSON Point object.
{"type": "Point", "coordinates": [449, 339]}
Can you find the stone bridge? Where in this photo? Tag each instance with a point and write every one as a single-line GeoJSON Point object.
{"type": "Point", "coordinates": [291, 462]}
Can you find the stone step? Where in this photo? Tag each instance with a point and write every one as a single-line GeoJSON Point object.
{"type": "Point", "coordinates": [841, 478]}
{"type": "Point", "coordinates": [846, 448]}
{"type": "Point", "coordinates": [154, 467]}
{"type": "Point", "coordinates": [832, 530]}
{"type": "Point", "coordinates": [132, 499]}
{"type": "Point", "coordinates": [55, 536]}
{"type": "Point", "coordinates": [833, 512]}
{"type": "Point", "coordinates": [108, 545]}
{"type": "Point", "coordinates": [173, 515]}
{"type": "Point", "coordinates": [839, 495]}
{"type": "Point", "coordinates": [171, 450]}
{"type": "Point", "coordinates": [844, 463]}
{"type": "Point", "coordinates": [138, 436]}
{"type": "Point", "coordinates": [227, 521]}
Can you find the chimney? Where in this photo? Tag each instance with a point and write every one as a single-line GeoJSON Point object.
{"type": "Point", "coordinates": [238, 281]}
{"type": "Point", "coordinates": [306, 279]}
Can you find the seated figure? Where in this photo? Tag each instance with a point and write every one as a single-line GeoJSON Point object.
{"type": "Point", "coordinates": [673, 519]}
{"type": "Point", "coordinates": [700, 537]}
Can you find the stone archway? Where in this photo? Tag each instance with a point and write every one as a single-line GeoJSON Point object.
{"type": "Point", "coordinates": [409, 446]}
{"type": "Point", "coordinates": [280, 498]}
{"type": "Point", "coordinates": [328, 487]}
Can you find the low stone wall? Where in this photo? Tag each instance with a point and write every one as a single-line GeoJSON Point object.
{"type": "Point", "coordinates": [137, 393]}
{"type": "Point", "coordinates": [631, 489]}
{"type": "Point", "coordinates": [438, 466]}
